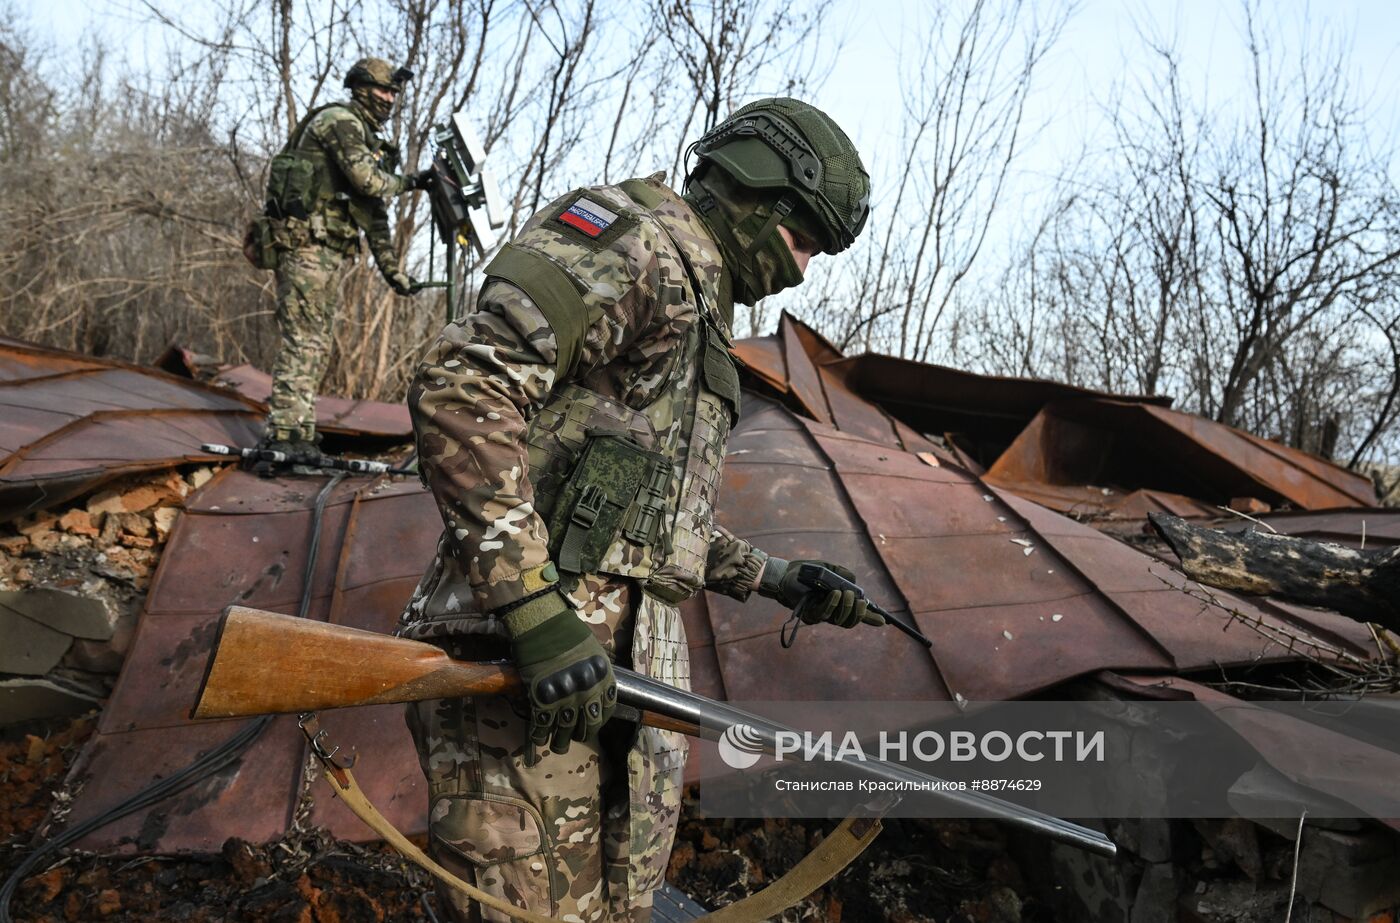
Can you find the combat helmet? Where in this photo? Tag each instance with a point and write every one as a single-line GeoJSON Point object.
{"type": "Point", "coordinates": [790, 147]}
{"type": "Point", "coordinates": [376, 72]}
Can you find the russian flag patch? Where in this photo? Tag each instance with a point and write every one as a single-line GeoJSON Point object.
{"type": "Point", "coordinates": [588, 216]}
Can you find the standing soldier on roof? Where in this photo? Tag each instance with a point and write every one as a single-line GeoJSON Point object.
{"type": "Point", "coordinates": [327, 185]}
{"type": "Point", "coordinates": [573, 432]}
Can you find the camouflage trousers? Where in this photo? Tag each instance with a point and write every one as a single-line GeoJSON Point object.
{"type": "Point", "coordinates": [307, 294]}
{"type": "Point", "coordinates": [585, 835]}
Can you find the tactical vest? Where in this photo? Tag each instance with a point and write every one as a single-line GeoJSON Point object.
{"type": "Point", "coordinates": [631, 492]}
{"type": "Point", "coordinates": [304, 185]}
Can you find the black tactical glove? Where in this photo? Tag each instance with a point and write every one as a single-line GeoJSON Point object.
{"type": "Point", "coordinates": [423, 179]}
{"type": "Point", "coordinates": [845, 608]}
{"type": "Point", "coordinates": [567, 676]}
{"type": "Point", "coordinates": [402, 283]}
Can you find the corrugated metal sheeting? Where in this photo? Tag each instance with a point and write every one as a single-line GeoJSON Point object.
{"type": "Point", "coordinates": [1074, 450]}
{"type": "Point", "coordinates": [71, 423]}
{"type": "Point", "coordinates": [827, 461]}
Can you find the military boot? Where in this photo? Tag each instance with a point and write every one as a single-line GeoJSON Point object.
{"type": "Point", "coordinates": [274, 441]}
{"type": "Point", "coordinates": [306, 447]}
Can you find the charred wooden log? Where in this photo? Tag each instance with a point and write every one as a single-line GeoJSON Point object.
{"type": "Point", "coordinates": [1364, 585]}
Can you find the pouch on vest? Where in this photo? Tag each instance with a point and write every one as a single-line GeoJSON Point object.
{"type": "Point", "coordinates": [721, 374]}
{"type": "Point", "coordinates": [291, 186]}
{"type": "Point", "coordinates": [258, 245]}
{"type": "Point", "coordinates": [616, 487]}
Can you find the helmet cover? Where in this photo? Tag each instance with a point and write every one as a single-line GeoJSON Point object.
{"type": "Point", "coordinates": [791, 147]}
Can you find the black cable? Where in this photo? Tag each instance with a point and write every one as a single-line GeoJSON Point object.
{"type": "Point", "coordinates": [314, 545]}
{"type": "Point", "coordinates": [203, 767]}
{"type": "Point", "coordinates": [210, 763]}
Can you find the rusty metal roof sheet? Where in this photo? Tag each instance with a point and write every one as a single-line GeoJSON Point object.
{"type": "Point", "coordinates": [1016, 598]}
{"type": "Point", "coordinates": [1060, 445]}
{"type": "Point", "coordinates": [339, 415]}
{"type": "Point", "coordinates": [1341, 765]}
{"type": "Point", "coordinates": [70, 423]}
{"type": "Point", "coordinates": [938, 542]}
{"type": "Point", "coordinates": [1108, 442]}
{"type": "Point", "coordinates": [923, 536]}
{"type": "Point", "coordinates": [1368, 528]}
{"type": "Point", "coordinates": [244, 539]}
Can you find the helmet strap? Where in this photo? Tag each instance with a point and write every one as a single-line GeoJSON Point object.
{"type": "Point", "coordinates": [755, 266]}
{"type": "Point", "coordinates": [781, 209]}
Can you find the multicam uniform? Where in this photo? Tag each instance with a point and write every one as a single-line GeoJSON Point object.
{"type": "Point", "coordinates": [508, 400]}
{"type": "Point", "coordinates": [352, 173]}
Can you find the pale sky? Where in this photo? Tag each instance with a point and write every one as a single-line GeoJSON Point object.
{"type": "Point", "coordinates": [1098, 48]}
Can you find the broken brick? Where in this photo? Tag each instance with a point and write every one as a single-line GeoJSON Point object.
{"type": "Point", "coordinates": [105, 501]}
{"type": "Point", "coordinates": [111, 528]}
{"type": "Point", "coordinates": [78, 522]}
{"type": "Point", "coordinates": [164, 519]}
{"type": "Point", "coordinates": [176, 486]}
{"type": "Point", "coordinates": [36, 749]}
{"type": "Point", "coordinates": [40, 522]}
{"type": "Point", "coordinates": [1251, 506]}
{"type": "Point", "coordinates": [134, 524]}
{"type": "Point", "coordinates": [199, 477]}
{"type": "Point", "coordinates": [108, 902]}
{"type": "Point", "coordinates": [50, 883]}
{"type": "Point", "coordinates": [46, 542]}
{"type": "Point", "coordinates": [142, 498]}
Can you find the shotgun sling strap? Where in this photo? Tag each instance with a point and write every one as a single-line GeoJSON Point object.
{"type": "Point", "coordinates": [818, 867]}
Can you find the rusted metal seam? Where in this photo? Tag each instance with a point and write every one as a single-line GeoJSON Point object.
{"type": "Point", "coordinates": [23, 452]}
{"type": "Point", "coordinates": [104, 364]}
{"type": "Point", "coordinates": [876, 546]}
{"type": "Point", "coordinates": [1107, 598]}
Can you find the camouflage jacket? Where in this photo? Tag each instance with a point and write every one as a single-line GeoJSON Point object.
{"type": "Point", "coordinates": [643, 351]}
{"type": "Point", "coordinates": [358, 168]}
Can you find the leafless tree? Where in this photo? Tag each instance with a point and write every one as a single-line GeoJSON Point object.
{"type": "Point", "coordinates": [172, 158]}
{"type": "Point", "coordinates": [965, 85]}
{"type": "Point", "coordinates": [1244, 261]}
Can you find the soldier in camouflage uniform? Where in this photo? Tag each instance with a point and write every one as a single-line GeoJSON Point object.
{"type": "Point", "coordinates": [326, 186]}
{"type": "Point", "coordinates": [572, 431]}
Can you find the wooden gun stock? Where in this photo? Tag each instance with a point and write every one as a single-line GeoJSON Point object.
{"type": "Point", "coordinates": [265, 663]}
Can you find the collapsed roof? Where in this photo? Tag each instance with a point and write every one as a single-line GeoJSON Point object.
{"type": "Point", "coordinates": [1071, 449]}
{"type": "Point", "coordinates": [71, 423]}
{"type": "Point", "coordinates": [828, 460]}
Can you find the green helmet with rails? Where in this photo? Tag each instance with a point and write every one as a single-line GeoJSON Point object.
{"type": "Point", "coordinates": [792, 148]}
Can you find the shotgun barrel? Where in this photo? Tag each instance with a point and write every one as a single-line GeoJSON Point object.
{"type": "Point", "coordinates": [265, 663]}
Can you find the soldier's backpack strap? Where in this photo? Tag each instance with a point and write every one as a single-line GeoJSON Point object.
{"type": "Point", "coordinates": [645, 195]}
{"type": "Point", "coordinates": [554, 291]}
{"type": "Point", "coordinates": [294, 142]}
